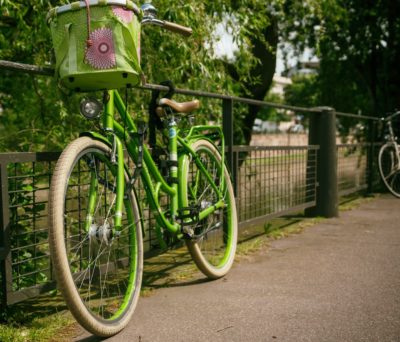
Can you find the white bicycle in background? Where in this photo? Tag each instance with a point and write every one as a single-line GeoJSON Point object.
{"type": "Point", "coordinates": [389, 158]}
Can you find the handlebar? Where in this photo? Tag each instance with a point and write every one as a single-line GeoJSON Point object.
{"type": "Point", "coordinates": [183, 30]}
{"type": "Point", "coordinates": [150, 18]}
{"type": "Point", "coordinates": [390, 117]}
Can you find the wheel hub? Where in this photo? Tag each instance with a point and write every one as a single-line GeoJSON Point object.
{"type": "Point", "coordinates": [101, 233]}
{"type": "Point", "coordinates": [205, 204]}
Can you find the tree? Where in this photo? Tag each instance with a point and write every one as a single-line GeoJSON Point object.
{"type": "Point", "coordinates": [271, 113]}
{"type": "Point", "coordinates": [255, 65]}
{"type": "Point", "coordinates": [358, 44]}
{"type": "Point", "coordinates": [31, 103]}
{"type": "Point", "coordinates": [33, 116]}
{"type": "Point", "coordinates": [304, 91]}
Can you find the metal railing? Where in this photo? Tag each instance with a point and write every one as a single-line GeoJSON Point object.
{"type": "Point", "coordinates": [271, 181]}
{"type": "Point", "coordinates": [274, 181]}
{"type": "Point", "coordinates": [268, 181]}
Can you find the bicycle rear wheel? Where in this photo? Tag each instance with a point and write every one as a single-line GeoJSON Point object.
{"type": "Point", "coordinates": [213, 249]}
{"type": "Point", "coordinates": [98, 268]}
{"type": "Point", "coordinates": [389, 168]}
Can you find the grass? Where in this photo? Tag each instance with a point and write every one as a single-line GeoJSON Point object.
{"type": "Point", "coordinates": [53, 328]}
{"type": "Point", "coordinates": [46, 319]}
{"type": "Point", "coordinates": [259, 238]}
{"type": "Point", "coordinates": [40, 319]}
{"type": "Point", "coordinates": [353, 201]}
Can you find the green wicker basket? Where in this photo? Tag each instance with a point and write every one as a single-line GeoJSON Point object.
{"type": "Point", "coordinates": [96, 44]}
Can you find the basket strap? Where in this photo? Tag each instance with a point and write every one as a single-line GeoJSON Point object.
{"type": "Point", "coordinates": [89, 42]}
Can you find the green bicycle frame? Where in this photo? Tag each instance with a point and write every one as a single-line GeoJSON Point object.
{"type": "Point", "coordinates": [154, 182]}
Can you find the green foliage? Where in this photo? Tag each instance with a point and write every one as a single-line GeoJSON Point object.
{"type": "Point", "coordinates": [34, 116]}
{"type": "Point", "coordinates": [304, 91]}
{"type": "Point", "coordinates": [271, 113]}
{"type": "Point", "coordinates": [358, 44]}
{"type": "Point", "coordinates": [30, 255]}
{"type": "Point", "coordinates": [183, 60]}
{"type": "Point", "coordinates": [23, 31]}
{"type": "Point", "coordinates": [38, 328]}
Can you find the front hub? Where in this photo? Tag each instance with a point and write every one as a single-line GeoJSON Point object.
{"type": "Point", "coordinates": [101, 234]}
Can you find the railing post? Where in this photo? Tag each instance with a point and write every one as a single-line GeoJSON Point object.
{"type": "Point", "coordinates": [322, 132]}
{"type": "Point", "coordinates": [5, 255]}
{"type": "Point", "coordinates": [311, 171]}
{"type": "Point", "coordinates": [227, 126]}
{"type": "Point", "coordinates": [371, 156]}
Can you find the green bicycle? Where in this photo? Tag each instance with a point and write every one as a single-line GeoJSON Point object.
{"type": "Point", "coordinates": [95, 218]}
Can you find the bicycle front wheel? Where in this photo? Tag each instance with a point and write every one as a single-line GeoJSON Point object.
{"type": "Point", "coordinates": [98, 266]}
{"type": "Point", "coordinates": [213, 248]}
{"type": "Point", "coordinates": [389, 168]}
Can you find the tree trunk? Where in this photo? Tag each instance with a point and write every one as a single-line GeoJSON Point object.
{"type": "Point", "coordinates": [261, 76]}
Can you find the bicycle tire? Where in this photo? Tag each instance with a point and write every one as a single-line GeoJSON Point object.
{"type": "Point", "coordinates": [388, 161]}
{"type": "Point", "coordinates": [212, 252]}
{"type": "Point", "coordinates": [99, 271]}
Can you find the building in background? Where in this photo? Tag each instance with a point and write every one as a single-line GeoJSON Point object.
{"type": "Point", "coordinates": [279, 84]}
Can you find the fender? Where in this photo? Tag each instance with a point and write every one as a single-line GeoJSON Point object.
{"type": "Point", "coordinates": [96, 136]}
{"type": "Point", "coordinates": [99, 137]}
{"type": "Point", "coordinates": [182, 165]}
{"type": "Point", "coordinates": [186, 143]}
{"type": "Point", "coordinates": [200, 132]}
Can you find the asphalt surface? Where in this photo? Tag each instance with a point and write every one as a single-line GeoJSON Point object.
{"type": "Point", "coordinates": [337, 281]}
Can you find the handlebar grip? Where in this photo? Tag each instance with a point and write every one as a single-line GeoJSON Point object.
{"type": "Point", "coordinates": [184, 31]}
{"type": "Point", "coordinates": [390, 117]}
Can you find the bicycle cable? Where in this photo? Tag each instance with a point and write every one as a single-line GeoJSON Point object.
{"type": "Point", "coordinates": [126, 112]}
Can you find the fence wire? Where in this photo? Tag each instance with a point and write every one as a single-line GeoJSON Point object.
{"type": "Point", "coordinates": [28, 187]}
{"type": "Point", "coordinates": [353, 171]}
{"type": "Point", "coordinates": [269, 180]}
{"type": "Point", "coordinates": [352, 167]}
{"type": "Point", "coordinates": [273, 180]}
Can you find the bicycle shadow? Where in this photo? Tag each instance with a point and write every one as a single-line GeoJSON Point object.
{"type": "Point", "coordinates": [172, 268]}
{"type": "Point", "coordinates": [167, 269]}
{"type": "Point", "coordinates": [175, 268]}
{"type": "Point", "coordinates": [91, 339]}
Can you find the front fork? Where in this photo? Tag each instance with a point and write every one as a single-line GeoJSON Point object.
{"type": "Point", "coordinates": [116, 165]}
{"type": "Point", "coordinates": [397, 151]}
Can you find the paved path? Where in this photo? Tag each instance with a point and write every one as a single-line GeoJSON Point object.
{"type": "Point", "coordinates": [337, 281]}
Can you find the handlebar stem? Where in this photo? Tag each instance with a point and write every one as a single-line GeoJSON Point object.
{"type": "Point", "coordinates": [149, 11]}
{"type": "Point", "coordinates": [150, 18]}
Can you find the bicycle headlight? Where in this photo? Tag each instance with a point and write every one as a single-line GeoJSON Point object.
{"type": "Point", "coordinates": [91, 108]}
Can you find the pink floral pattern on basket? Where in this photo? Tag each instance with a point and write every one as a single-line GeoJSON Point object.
{"type": "Point", "coordinates": [125, 15]}
{"type": "Point", "coordinates": [101, 54]}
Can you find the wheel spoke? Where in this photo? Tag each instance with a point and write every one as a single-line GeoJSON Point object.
{"type": "Point", "coordinates": [389, 168]}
